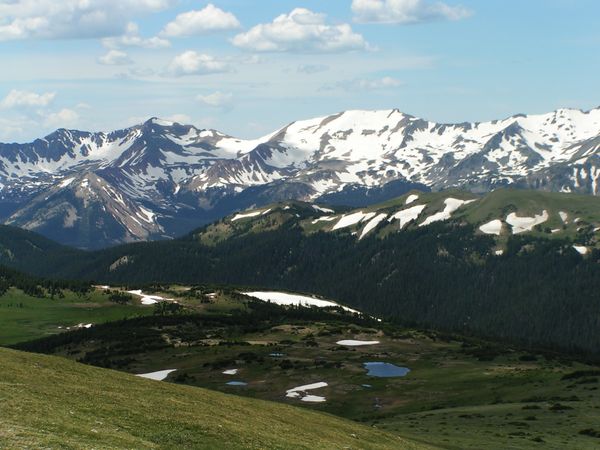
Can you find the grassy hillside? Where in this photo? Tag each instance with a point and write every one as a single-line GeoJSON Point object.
{"type": "Point", "coordinates": [461, 393]}
{"type": "Point", "coordinates": [50, 402]}
{"type": "Point", "coordinates": [23, 317]}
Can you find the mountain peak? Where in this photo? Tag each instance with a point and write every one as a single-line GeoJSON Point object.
{"type": "Point", "coordinates": [192, 174]}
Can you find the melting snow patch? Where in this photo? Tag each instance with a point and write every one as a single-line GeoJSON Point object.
{"type": "Point", "coordinates": [149, 215]}
{"type": "Point", "coordinates": [563, 216]}
{"type": "Point", "coordinates": [300, 392]}
{"type": "Point", "coordinates": [158, 376]}
{"type": "Point", "coordinates": [230, 372]}
{"type": "Point", "coordinates": [581, 249]}
{"type": "Point", "coordinates": [282, 298]}
{"type": "Point", "coordinates": [352, 219]}
{"type": "Point", "coordinates": [372, 224]}
{"type": "Point", "coordinates": [411, 198]}
{"type": "Point", "coordinates": [323, 210]}
{"type": "Point", "coordinates": [149, 299]}
{"type": "Point", "coordinates": [522, 224]}
{"type": "Point", "coordinates": [499, 252]}
{"type": "Point", "coordinates": [452, 204]}
{"type": "Point", "coordinates": [324, 219]}
{"type": "Point", "coordinates": [493, 227]}
{"type": "Point", "coordinates": [247, 215]}
{"type": "Point", "coordinates": [408, 215]}
{"type": "Point", "coordinates": [65, 183]}
{"type": "Point", "coordinates": [313, 398]}
{"type": "Point", "coordinates": [354, 343]}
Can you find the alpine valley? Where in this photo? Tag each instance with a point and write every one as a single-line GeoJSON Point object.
{"type": "Point", "coordinates": [162, 179]}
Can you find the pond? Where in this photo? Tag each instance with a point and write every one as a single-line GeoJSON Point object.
{"type": "Point", "coordinates": [385, 370]}
{"type": "Point", "coordinates": [236, 383]}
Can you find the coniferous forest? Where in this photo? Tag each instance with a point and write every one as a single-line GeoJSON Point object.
{"type": "Point", "coordinates": [541, 292]}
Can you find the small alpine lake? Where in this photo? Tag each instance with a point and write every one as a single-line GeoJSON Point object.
{"type": "Point", "coordinates": [385, 370]}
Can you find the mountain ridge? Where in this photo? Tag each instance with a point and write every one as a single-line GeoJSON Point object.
{"type": "Point", "coordinates": [177, 171]}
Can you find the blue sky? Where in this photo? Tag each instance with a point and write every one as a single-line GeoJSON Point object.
{"type": "Point", "coordinates": [249, 67]}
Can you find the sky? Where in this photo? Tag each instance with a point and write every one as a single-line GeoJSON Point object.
{"type": "Point", "coordinates": [247, 68]}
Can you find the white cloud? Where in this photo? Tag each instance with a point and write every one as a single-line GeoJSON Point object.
{"type": "Point", "coordinates": [379, 83]}
{"type": "Point", "coordinates": [11, 129]}
{"type": "Point", "coordinates": [216, 99]}
{"type": "Point", "coordinates": [132, 38]}
{"type": "Point", "coordinates": [50, 19]}
{"type": "Point", "coordinates": [18, 99]}
{"type": "Point", "coordinates": [310, 69]}
{"type": "Point", "coordinates": [405, 11]}
{"type": "Point", "coordinates": [367, 84]}
{"type": "Point", "coordinates": [179, 118]}
{"type": "Point", "coordinates": [301, 31]}
{"type": "Point", "coordinates": [194, 63]}
{"type": "Point", "coordinates": [207, 20]}
{"type": "Point", "coordinates": [63, 118]}
{"type": "Point", "coordinates": [115, 58]}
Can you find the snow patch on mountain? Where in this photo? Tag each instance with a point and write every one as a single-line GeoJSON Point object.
{"type": "Point", "coordinates": [451, 205]}
{"type": "Point", "coordinates": [492, 227]}
{"type": "Point", "coordinates": [372, 224]}
{"type": "Point", "coordinates": [523, 224]}
{"type": "Point", "coordinates": [246, 215]}
{"type": "Point", "coordinates": [411, 199]}
{"type": "Point", "coordinates": [408, 215]}
{"type": "Point", "coordinates": [352, 219]}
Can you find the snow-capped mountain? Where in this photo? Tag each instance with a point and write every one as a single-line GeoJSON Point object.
{"type": "Point", "coordinates": [161, 178]}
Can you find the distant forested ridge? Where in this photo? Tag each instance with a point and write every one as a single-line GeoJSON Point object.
{"type": "Point", "coordinates": [445, 276]}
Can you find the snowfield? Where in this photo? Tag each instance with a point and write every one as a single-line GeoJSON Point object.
{"type": "Point", "coordinates": [372, 224]}
{"type": "Point", "coordinates": [323, 210]}
{"type": "Point", "coordinates": [248, 215]}
{"type": "Point", "coordinates": [352, 219]}
{"type": "Point", "coordinates": [411, 198]}
{"type": "Point", "coordinates": [285, 299]}
{"type": "Point", "coordinates": [493, 227]}
{"type": "Point", "coordinates": [452, 204]}
{"type": "Point", "coordinates": [324, 219]}
{"type": "Point", "coordinates": [523, 224]}
{"type": "Point", "coordinates": [157, 376]}
{"type": "Point", "coordinates": [300, 392]}
{"type": "Point", "coordinates": [149, 299]}
{"type": "Point", "coordinates": [408, 215]}
{"type": "Point", "coordinates": [356, 343]}
{"type": "Point", "coordinates": [581, 249]}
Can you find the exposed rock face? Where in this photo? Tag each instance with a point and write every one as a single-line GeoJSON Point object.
{"type": "Point", "coordinates": [160, 179]}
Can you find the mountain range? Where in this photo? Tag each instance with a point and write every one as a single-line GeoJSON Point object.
{"type": "Point", "coordinates": [161, 179]}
